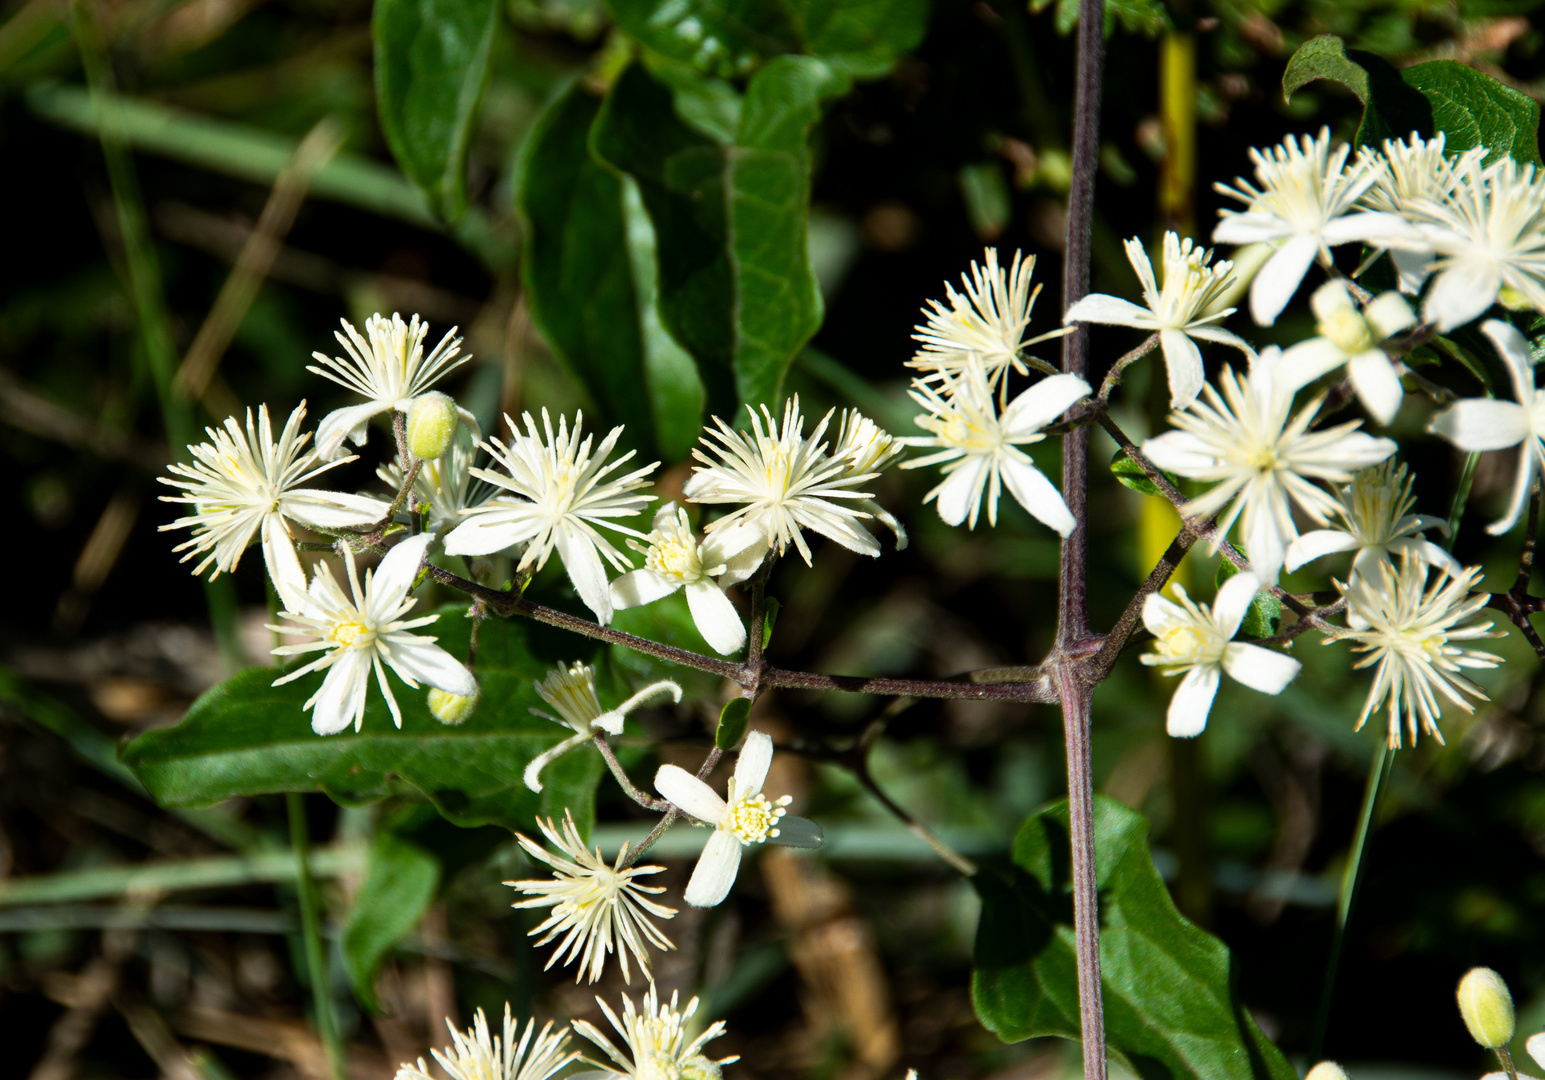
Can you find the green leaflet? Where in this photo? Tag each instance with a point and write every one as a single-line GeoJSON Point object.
{"type": "Point", "coordinates": [248, 737]}
{"type": "Point", "coordinates": [400, 882]}
{"type": "Point", "coordinates": [589, 275]}
{"type": "Point", "coordinates": [1170, 1006]}
{"type": "Point", "coordinates": [735, 286]}
{"type": "Point", "coordinates": [861, 38]}
{"type": "Point", "coordinates": [1265, 612]}
{"type": "Point", "coordinates": [1470, 108]}
{"type": "Point", "coordinates": [732, 722]}
{"type": "Point", "coordinates": [431, 63]}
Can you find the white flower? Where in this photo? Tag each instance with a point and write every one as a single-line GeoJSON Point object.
{"type": "Point", "coordinates": [980, 449]}
{"type": "Point", "coordinates": [985, 325]}
{"type": "Point", "coordinates": [1261, 459]}
{"type": "Point", "coordinates": [1407, 629]}
{"type": "Point", "coordinates": [1489, 424]}
{"type": "Point", "coordinates": [390, 370]}
{"type": "Point", "coordinates": [656, 1039]}
{"type": "Point", "coordinates": [478, 1056]}
{"type": "Point", "coordinates": [368, 633]}
{"type": "Point", "coordinates": [1376, 523]}
{"type": "Point", "coordinates": [571, 692]}
{"type": "Point", "coordinates": [594, 905]}
{"type": "Point", "coordinates": [673, 560]}
{"type": "Point", "coordinates": [1410, 176]}
{"type": "Point", "coordinates": [745, 817]}
{"type": "Point", "coordinates": [442, 487]}
{"type": "Point", "coordinates": [562, 491]}
{"type": "Point", "coordinates": [868, 449]}
{"type": "Point", "coordinates": [1489, 234]}
{"type": "Point", "coordinates": [1197, 641]}
{"type": "Point", "coordinates": [1351, 337]}
{"type": "Point", "coordinates": [1536, 1047]}
{"type": "Point", "coordinates": [242, 483]}
{"type": "Point", "coordinates": [786, 481]}
{"type": "Point", "coordinates": [1177, 313]}
{"type": "Point", "coordinates": [1305, 204]}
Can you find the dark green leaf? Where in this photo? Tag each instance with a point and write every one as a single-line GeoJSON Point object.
{"type": "Point", "coordinates": [589, 275]}
{"type": "Point", "coordinates": [431, 66]}
{"type": "Point", "coordinates": [248, 737]}
{"type": "Point", "coordinates": [1170, 1006]}
{"type": "Point", "coordinates": [736, 286]}
{"type": "Point", "coordinates": [770, 608]}
{"type": "Point", "coordinates": [400, 881]}
{"type": "Point", "coordinates": [1265, 612]}
{"type": "Point", "coordinates": [861, 38]}
{"type": "Point", "coordinates": [1129, 473]}
{"type": "Point", "coordinates": [732, 722]}
{"type": "Point", "coordinates": [1471, 109]}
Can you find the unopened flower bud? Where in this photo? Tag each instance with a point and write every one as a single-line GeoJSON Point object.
{"type": "Point", "coordinates": [432, 423]}
{"type": "Point", "coordinates": [1487, 1007]}
{"type": "Point", "coordinates": [1327, 1070]}
{"type": "Point", "coordinates": [452, 708]}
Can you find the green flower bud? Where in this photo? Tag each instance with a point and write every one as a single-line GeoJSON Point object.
{"type": "Point", "coordinates": [432, 423]}
{"type": "Point", "coordinates": [1487, 1007]}
{"type": "Point", "coordinates": [452, 708]}
{"type": "Point", "coordinates": [1327, 1070]}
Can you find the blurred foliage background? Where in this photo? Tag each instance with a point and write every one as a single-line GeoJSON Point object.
{"type": "Point", "coordinates": [137, 942]}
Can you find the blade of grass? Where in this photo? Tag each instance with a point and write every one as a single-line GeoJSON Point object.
{"type": "Point", "coordinates": [311, 934]}
{"type": "Point", "coordinates": [251, 153]}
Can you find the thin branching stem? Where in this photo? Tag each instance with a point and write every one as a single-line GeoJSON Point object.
{"type": "Point", "coordinates": [644, 799]}
{"type": "Point", "coordinates": [1119, 368]}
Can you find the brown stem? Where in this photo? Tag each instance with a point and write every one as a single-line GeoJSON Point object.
{"type": "Point", "coordinates": [1118, 369]}
{"type": "Point", "coordinates": [1076, 694]}
{"type": "Point", "coordinates": [1102, 662]}
{"type": "Point", "coordinates": [647, 801]}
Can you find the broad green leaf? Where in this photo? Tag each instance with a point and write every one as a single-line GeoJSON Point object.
{"type": "Point", "coordinates": [431, 63]}
{"type": "Point", "coordinates": [400, 882]}
{"type": "Point", "coordinates": [736, 287]}
{"type": "Point", "coordinates": [589, 275]}
{"type": "Point", "coordinates": [1471, 109]}
{"type": "Point", "coordinates": [732, 722]}
{"type": "Point", "coordinates": [1264, 615]}
{"type": "Point", "coordinates": [1129, 473]}
{"type": "Point", "coordinates": [861, 38]}
{"type": "Point", "coordinates": [248, 737]}
{"type": "Point", "coordinates": [1170, 1006]}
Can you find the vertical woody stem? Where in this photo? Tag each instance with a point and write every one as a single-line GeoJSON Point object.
{"type": "Point", "coordinates": [1073, 617]}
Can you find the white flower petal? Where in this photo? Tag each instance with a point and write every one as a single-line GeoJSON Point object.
{"type": "Point", "coordinates": [1038, 495]}
{"type": "Point", "coordinates": [1183, 362]}
{"type": "Point", "coordinates": [485, 535]}
{"type": "Point", "coordinates": [583, 563]}
{"type": "Point", "coordinates": [341, 700]}
{"type": "Point", "coordinates": [716, 618]}
{"type": "Point", "coordinates": [1179, 452]}
{"type": "Point", "coordinates": [755, 758]}
{"type": "Point", "coordinates": [332, 509]}
{"type": "Point", "coordinates": [1259, 668]}
{"type": "Point", "coordinates": [961, 490]}
{"type": "Point", "coordinates": [394, 577]}
{"type": "Point", "coordinates": [1514, 349]}
{"type": "Point", "coordinates": [1462, 293]}
{"type": "Point", "coordinates": [1110, 310]}
{"type": "Point", "coordinates": [1312, 545]}
{"type": "Point", "coordinates": [283, 564]}
{"type": "Point", "coordinates": [1043, 403]}
{"type": "Point", "coordinates": [1482, 424]}
{"type": "Point", "coordinates": [1377, 385]}
{"type": "Point", "coordinates": [1375, 228]}
{"type": "Point", "coordinates": [1308, 360]}
{"type": "Point", "coordinates": [1233, 601]}
{"type": "Point", "coordinates": [418, 660]}
{"type": "Point", "coordinates": [641, 587]}
{"type": "Point", "coordinates": [690, 794]}
{"type": "Point", "coordinates": [715, 871]}
{"type": "Point", "coordinates": [344, 423]}
{"type": "Point", "coordinates": [1277, 281]}
{"type": "Point", "coordinates": [1192, 702]}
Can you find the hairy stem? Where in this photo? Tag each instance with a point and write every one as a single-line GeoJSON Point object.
{"type": "Point", "coordinates": [1086, 898]}
{"type": "Point", "coordinates": [1119, 368]}
{"type": "Point", "coordinates": [647, 801]}
{"type": "Point", "coordinates": [1100, 666]}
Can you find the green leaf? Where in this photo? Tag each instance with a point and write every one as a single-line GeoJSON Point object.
{"type": "Point", "coordinates": [1470, 108]}
{"type": "Point", "coordinates": [248, 737]}
{"type": "Point", "coordinates": [431, 64]}
{"type": "Point", "coordinates": [400, 882]}
{"type": "Point", "coordinates": [589, 275]}
{"type": "Point", "coordinates": [770, 609]}
{"type": "Point", "coordinates": [861, 38]}
{"type": "Point", "coordinates": [1146, 17]}
{"type": "Point", "coordinates": [736, 286]}
{"type": "Point", "coordinates": [732, 722]}
{"type": "Point", "coordinates": [1265, 612]}
{"type": "Point", "coordinates": [1170, 1006]}
{"type": "Point", "coordinates": [1129, 473]}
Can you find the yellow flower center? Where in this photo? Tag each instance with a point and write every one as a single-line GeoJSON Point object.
{"type": "Point", "coordinates": [675, 557]}
{"type": "Point", "coordinates": [347, 635]}
{"type": "Point", "coordinates": [1180, 645]}
{"type": "Point", "coordinates": [1346, 328]}
{"type": "Point", "coordinates": [751, 819]}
